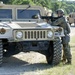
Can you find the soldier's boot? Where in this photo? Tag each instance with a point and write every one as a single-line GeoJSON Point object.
{"type": "Point", "coordinates": [63, 60]}
{"type": "Point", "coordinates": [68, 62]}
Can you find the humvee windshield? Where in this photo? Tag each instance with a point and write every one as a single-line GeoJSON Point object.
{"type": "Point", "coordinates": [20, 14]}
{"type": "Point", "coordinates": [27, 14]}
{"type": "Point", "coordinates": [5, 13]}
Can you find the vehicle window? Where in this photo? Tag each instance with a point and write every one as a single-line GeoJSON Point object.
{"type": "Point", "coordinates": [27, 14]}
{"type": "Point", "coordinates": [5, 13]}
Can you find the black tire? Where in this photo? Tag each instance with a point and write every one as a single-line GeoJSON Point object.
{"type": "Point", "coordinates": [1, 52]}
{"type": "Point", "coordinates": [54, 52]}
{"type": "Point", "coordinates": [19, 47]}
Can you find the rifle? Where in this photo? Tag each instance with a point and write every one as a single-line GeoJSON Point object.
{"type": "Point", "coordinates": [49, 17]}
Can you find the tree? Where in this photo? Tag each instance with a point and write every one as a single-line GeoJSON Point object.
{"type": "Point", "coordinates": [55, 6]}
{"type": "Point", "coordinates": [68, 6]}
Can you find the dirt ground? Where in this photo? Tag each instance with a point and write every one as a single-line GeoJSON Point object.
{"type": "Point", "coordinates": [27, 63]}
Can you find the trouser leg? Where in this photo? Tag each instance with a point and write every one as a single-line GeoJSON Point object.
{"type": "Point", "coordinates": [64, 57]}
{"type": "Point", "coordinates": [67, 52]}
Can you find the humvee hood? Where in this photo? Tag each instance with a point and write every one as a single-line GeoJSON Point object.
{"type": "Point", "coordinates": [33, 25]}
{"type": "Point", "coordinates": [25, 25]}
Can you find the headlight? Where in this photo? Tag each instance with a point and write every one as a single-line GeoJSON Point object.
{"type": "Point", "coordinates": [19, 34]}
{"type": "Point", "coordinates": [2, 31]}
{"type": "Point", "coordinates": [50, 34]}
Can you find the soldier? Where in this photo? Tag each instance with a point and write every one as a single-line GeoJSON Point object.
{"type": "Point", "coordinates": [61, 21]}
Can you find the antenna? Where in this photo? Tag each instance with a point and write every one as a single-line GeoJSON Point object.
{"type": "Point", "coordinates": [26, 8]}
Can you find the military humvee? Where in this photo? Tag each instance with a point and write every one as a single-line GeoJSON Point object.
{"type": "Point", "coordinates": [22, 29]}
{"type": "Point", "coordinates": [71, 18]}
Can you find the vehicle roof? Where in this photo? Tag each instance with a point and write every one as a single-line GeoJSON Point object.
{"type": "Point", "coordinates": [72, 13]}
{"type": "Point", "coordinates": [27, 7]}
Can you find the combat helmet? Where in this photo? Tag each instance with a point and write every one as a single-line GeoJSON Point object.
{"type": "Point", "coordinates": [60, 10]}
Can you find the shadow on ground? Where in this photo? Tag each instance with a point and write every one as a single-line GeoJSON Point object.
{"type": "Point", "coordinates": [15, 66]}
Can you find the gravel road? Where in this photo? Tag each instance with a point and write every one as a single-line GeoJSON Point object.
{"type": "Point", "coordinates": [26, 63]}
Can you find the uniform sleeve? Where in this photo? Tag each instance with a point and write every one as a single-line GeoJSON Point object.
{"type": "Point", "coordinates": [62, 22]}
{"type": "Point", "coordinates": [66, 25]}
{"type": "Point", "coordinates": [58, 21]}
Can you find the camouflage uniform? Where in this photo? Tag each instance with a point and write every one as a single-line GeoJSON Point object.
{"type": "Point", "coordinates": [66, 39]}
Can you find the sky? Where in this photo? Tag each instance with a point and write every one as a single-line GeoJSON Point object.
{"type": "Point", "coordinates": [70, 0]}
{"type": "Point", "coordinates": [67, 0]}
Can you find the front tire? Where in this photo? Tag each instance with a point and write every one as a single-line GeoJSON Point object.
{"type": "Point", "coordinates": [54, 52]}
{"type": "Point", "coordinates": [1, 52]}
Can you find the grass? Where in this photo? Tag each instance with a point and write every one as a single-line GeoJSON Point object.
{"type": "Point", "coordinates": [72, 40]}
{"type": "Point", "coordinates": [62, 69]}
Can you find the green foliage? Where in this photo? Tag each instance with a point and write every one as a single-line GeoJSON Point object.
{"type": "Point", "coordinates": [55, 6]}
{"type": "Point", "coordinates": [50, 4]}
